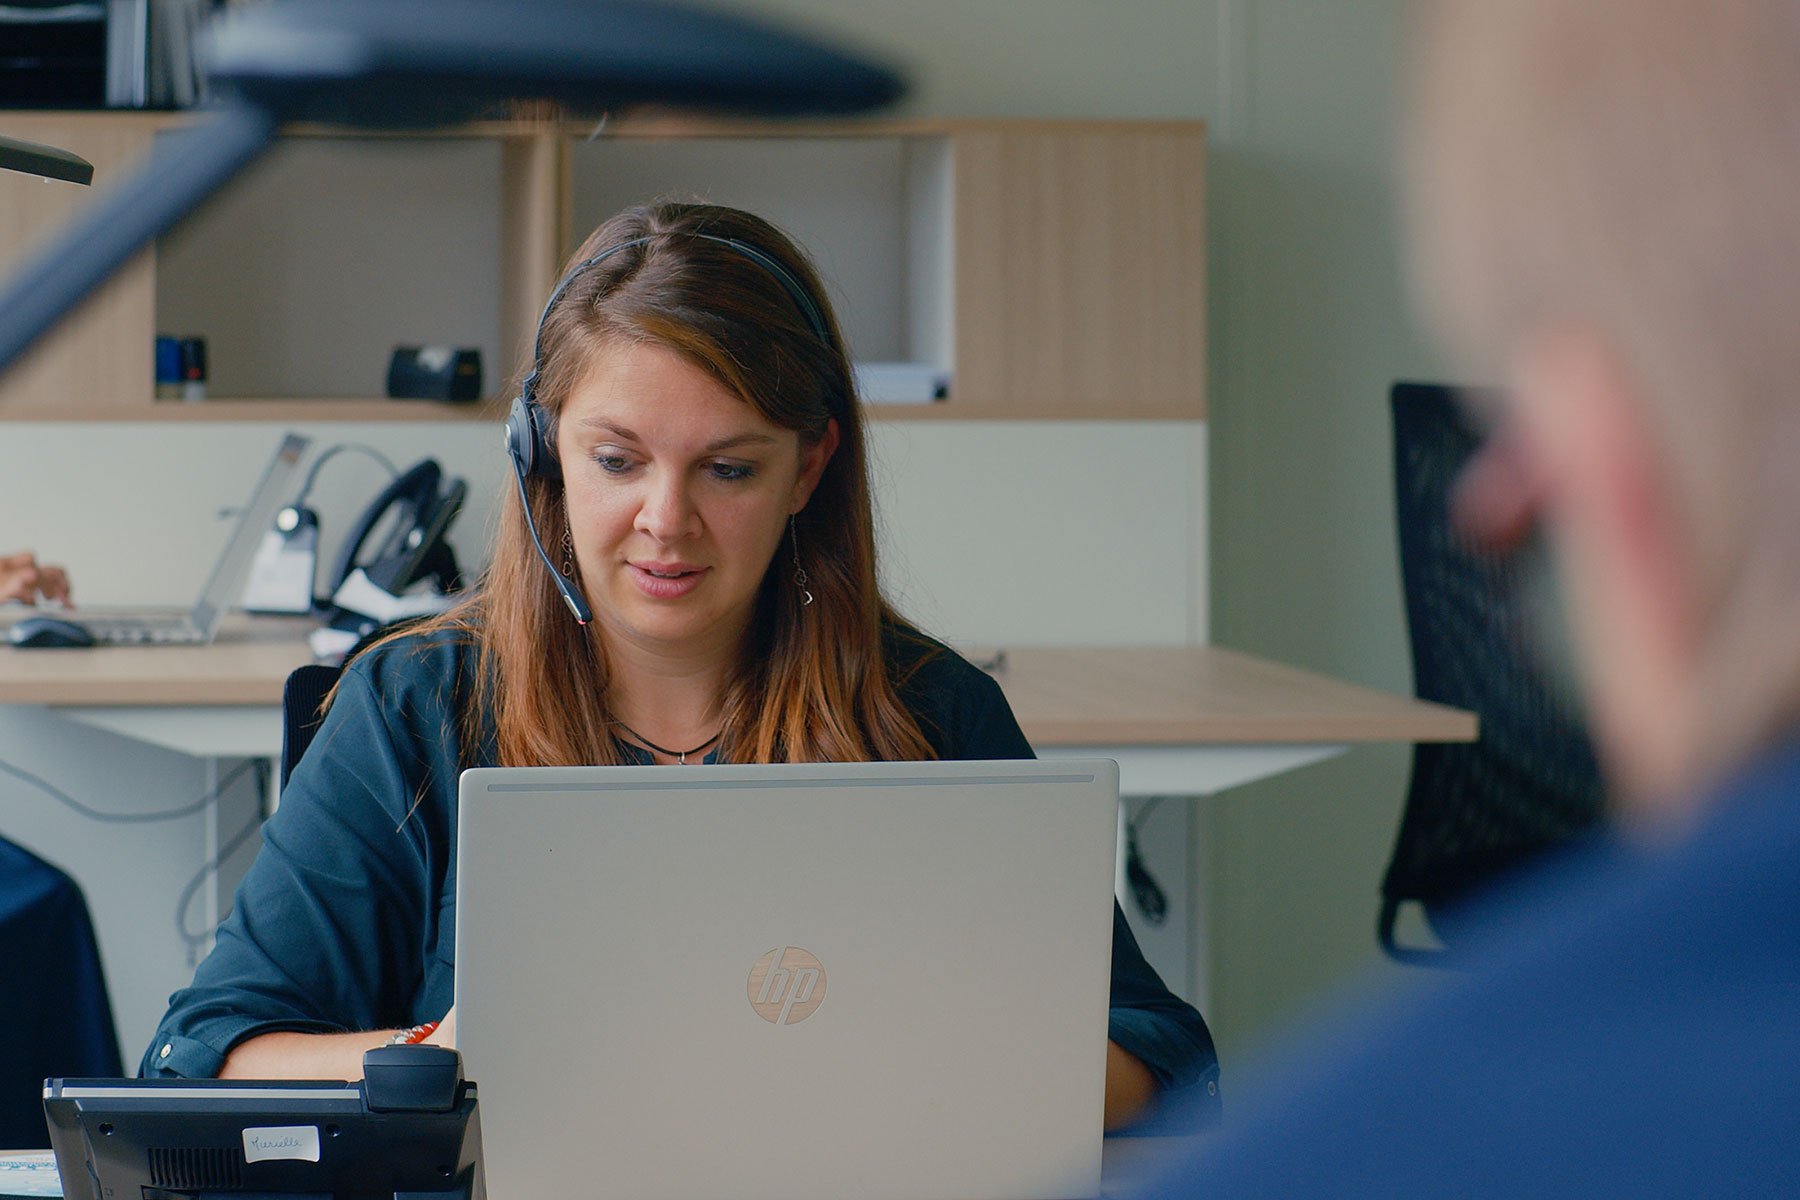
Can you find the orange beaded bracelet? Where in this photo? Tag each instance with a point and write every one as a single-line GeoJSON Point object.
{"type": "Point", "coordinates": [413, 1036]}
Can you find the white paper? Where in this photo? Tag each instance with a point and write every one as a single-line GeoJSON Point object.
{"type": "Point", "coordinates": [360, 595]}
{"type": "Point", "coordinates": [29, 1173]}
{"type": "Point", "coordinates": [271, 1142]}
{"type": "Point", "coordinates": [900, 382]}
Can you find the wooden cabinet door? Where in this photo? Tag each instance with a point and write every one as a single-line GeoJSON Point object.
{"type": "Point", "coordinates": [1080, 276]}
{"type": "Point", "coordinates": [101, 356]}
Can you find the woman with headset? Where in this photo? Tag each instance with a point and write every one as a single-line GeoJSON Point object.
{"type": "Point", "coordinates": [685, 573]}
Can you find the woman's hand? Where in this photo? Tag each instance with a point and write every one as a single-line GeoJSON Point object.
{"type": "Point", "coordinates": [23, 579]}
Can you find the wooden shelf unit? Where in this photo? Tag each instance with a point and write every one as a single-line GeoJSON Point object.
{"type": "Point", "coordinates": [1054, 269]}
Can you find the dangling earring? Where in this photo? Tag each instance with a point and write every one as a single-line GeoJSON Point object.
{"type": "Point", "coordinates": [568, 549]}
{"type": "Point", "coordinates": [806, 597]}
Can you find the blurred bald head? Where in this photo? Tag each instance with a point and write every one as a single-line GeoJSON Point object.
{"type": "Point", "coordinates": [1610, 190]}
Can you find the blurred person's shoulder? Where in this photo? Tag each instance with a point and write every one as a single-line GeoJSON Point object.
{"type": "Point", "coordinates": [1623, 1026]}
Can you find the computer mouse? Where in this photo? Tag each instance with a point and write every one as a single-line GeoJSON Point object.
{"type": "Point", "coordinates": [35, 632]}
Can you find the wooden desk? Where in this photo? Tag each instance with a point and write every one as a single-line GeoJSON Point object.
{"type": "Point", "coordinates": [246, 666]}
{"type": "Point", "coordinates": [1180, 721]}
{"type": "Point", "coordinates": [217, 701]}
{"type": "Point", "coordinates": [1193, 720]}
{"type": "Point", "coordinates": [1156, 706]}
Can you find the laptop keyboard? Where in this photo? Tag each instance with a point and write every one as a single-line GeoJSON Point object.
{"type": "Point", "coordinates": [144, 632]}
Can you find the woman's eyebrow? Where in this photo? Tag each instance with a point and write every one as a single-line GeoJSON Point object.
{"type": "Point", "coordinates": [601, 424]}
{"type": "Point", "coordinates": [741, 439]}
{"type": "Point", "coordinates": [731, 442]}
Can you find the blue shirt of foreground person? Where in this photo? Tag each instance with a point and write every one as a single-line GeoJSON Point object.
{"type": "Point", "coordinates": [1603, 215]}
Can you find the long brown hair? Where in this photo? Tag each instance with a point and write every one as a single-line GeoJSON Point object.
{"type": "Point", "coordinates": [814, 682]}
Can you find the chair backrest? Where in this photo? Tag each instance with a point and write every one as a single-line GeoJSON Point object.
{"type": "Point", "coordinates": [302, 708]}
{"type": "Point", "coordinates": [1473, 810]}
{"type": "Point", "coordinates": [303, 696]}
{"type": "Point", "coordinates": [54, 1005]}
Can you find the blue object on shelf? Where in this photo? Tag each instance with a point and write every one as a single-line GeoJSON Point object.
{"type": "Point", "coordinates": [168, 366]}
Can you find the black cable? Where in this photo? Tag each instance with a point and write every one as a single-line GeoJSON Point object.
{"type": "Point", "coordinates": [1151, 900]}
{"type": "Point", "coordinates": [332, 451]}
{"type": "Point", "coordinates": [260, 766]}
{"type": "Point", "coordinates": [1150, 806]}
{"type": "Point", "coordinates": [95, 814]}
{"type": "Point", "coordinates": [192, 888]}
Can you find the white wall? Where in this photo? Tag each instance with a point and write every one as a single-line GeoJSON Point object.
{"type": "Point", "coordinates": [981, 523]}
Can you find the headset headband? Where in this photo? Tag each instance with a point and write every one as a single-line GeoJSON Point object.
{"type": "Point", "coordinates": [802, 300]}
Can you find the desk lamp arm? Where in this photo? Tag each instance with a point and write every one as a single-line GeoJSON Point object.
{"type": "Point", "coordinates": [185, 167]}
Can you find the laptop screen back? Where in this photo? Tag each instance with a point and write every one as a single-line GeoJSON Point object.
{"type": "Point", "coordinates": [233, 567]}
{"type": "Point", "coordinates": [881, 980]}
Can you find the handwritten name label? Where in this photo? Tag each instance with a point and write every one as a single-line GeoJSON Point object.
{"type": "Point", "coordinates": [266, 1142]}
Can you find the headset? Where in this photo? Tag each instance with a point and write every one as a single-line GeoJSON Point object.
{"type": "Point", "coordinates": [527, 443]}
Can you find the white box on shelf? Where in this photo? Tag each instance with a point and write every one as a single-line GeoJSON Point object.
{"type": "Point", "coordinates": [901, 382]}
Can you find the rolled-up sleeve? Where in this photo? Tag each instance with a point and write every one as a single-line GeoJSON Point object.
{"type": "Point", "coordinates": [323, 934]}
{"type": "Point", "coordinates": [1162, 1031]}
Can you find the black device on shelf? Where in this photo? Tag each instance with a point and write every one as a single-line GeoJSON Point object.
{"type": "Point", "coordinates": [435, 373]}
{"type": "Point", "coordinates": [410, 1127]}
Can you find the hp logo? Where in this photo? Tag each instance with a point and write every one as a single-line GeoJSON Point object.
{"type": "Point", "coordinates": [786, 985]}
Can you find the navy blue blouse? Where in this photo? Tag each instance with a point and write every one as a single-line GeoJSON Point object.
{"type": "Point", "coordinates": [346, 920]}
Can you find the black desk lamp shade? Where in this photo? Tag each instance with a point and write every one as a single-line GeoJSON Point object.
{"type": "Point", "coordinates": [417, 63]}
{"type": "Point", "coordinates": [413, 64]}
{"type": "Point", "coordinates": [34, 158]}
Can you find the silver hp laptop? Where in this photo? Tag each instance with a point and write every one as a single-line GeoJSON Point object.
{"type": "Point", "coordinates": [886, 981]}
{"type": "Point", "coordinates": [200, 624]}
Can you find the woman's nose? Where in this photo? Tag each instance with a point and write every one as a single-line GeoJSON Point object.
{"type": "Point", "coordinates": [666, 514]}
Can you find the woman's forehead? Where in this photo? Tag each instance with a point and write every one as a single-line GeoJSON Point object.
{"type": "Point", "coordinates": [649, 391]}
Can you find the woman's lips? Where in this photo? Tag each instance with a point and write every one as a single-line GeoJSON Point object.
{"type": "Point", "coordinates": [669, 582]}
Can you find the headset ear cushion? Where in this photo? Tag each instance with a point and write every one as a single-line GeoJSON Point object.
{"type": "Point", "coordinates": [519, 437]}
{"type": "Point", "coordinates": [525, 442]}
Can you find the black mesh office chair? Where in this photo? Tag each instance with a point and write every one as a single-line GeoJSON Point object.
{"type": "Point", "coordinates": [302, 701]}
{"type": "Point", "coordinates": [1473, 810]}
{"type": "Point", "coordinates": [303, 696]}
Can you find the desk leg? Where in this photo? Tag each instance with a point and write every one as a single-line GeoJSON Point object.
{"type": "Point", "coordinates": [212, 840]}
{"type": "Point", "coordinates": [1176, 839]}
{"type": "Point", "coordinates": [227, 855]}
{"type": "Point", "coordinates": [1171, 831]}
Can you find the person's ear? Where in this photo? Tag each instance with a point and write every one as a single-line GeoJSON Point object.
{"type": "Point", "coordinates": [1610, 504]}
{"type": "Point", "coordinates": [812, 465]}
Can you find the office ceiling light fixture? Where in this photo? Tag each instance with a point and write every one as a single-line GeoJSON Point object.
{"type": "Point", "coordinates": [416, 64]}
{"type": "Point", "coordinates": [48, 161]}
